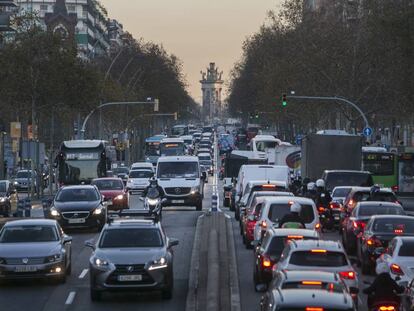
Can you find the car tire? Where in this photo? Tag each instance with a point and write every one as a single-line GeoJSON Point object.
{"type": "Point", "coordinates": [167, 292]}
{"type": "Point", "coordinates": [96, 295]}
{"type": "Point", "coordinates": [199, 206]}
{"type": "Point", "coordinates": [69, 268]}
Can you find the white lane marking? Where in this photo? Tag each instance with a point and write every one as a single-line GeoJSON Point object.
{"type": "Point", "coordinates": [83, 274]}
{"type": "Point", "coordinates": [70, 298]}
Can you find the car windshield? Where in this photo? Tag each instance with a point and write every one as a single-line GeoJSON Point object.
{"type": "Point", "coordinates": [318, 259]}
{"type": "Point", "coordinates": [263, 145]}
{"type": "Point", "coordinates": [277, 211]}
{"type": "Point", "coordinates": [109, 184]}
{"type": "Point", "coordinates": [3, 188]}
{"type": "Point", "coordinates": [204, 157]}
{"type": "Point", "coordinates": [24, 174]}
{"type": "Point", "coordinates": [121, 170]}
{"type": "Point", "coordinates": [77, 195]}
{"type": "Point", "coordinates": [131, 238]}
{"type": "Point", "coordinates": [28, 234]}
{"type": "Point", "coordinates": [394, 226]}
{"type": "Point", "coordinates": [206, 163]}
{"type": "Point", "coordinates": [341, 192]}
{"type": "Point", "coordinates": [331, 287]}
{"type": "Point", "coordinates": [369, 210]}
{"type": "Point", "coordinates": [356, 179]}
{"type": "Point", "coordinates": [141, 174]}
{"type": "Point", "coordinates": [177, 170]}
{"type": "Point", "coordinates": [407, 249]}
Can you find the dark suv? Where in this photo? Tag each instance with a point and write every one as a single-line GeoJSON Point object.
{"type": "Point", "coordinates": [131, 254]}
{"type": "Point", "coordinates": [335, 178]}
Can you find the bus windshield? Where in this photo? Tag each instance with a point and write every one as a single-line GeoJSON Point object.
{"type": "Point", "coordinates": [379, 163]}
{"type": "Point", "coordinates": [172, 149]}
{"type": "Point", "coordinates": [152, 149]}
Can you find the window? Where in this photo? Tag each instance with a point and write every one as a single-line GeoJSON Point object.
{"type": "Point", "coordinates": [77, 195]}
{"type": "Point", "coordinates": [278, 211]}
{"type": "Point", "coordinates": [328, 259]}
{"type": "Point", "coordinates": [341, 192]}
{"type": "Point", "coordinates": [28, 234]}
{"type": "Point", "coordinates": [407, 249]}
{"type": "Point", "coordinates": [123, 238]}
{"type": "Point", "coordinates": [394, 225]}
{"type": "Point", "coordinates": [379, 164]}
{"type": "Point", "coordinates": [334, 179]}
{"type": "Point", "coordinates": [43, 7]}
{"type": "Point", "coordinates": [71, 8]}
{"type": "Point", "coordinates": [141, 174]}
{"type": "Point", "coordinates": [178, 170]}
{"type": "Point", "coordinates": [109, 184]}
{"type": "Point", "coordinates": [380, 210]}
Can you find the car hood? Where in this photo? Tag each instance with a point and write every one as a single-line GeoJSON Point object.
{"type": "Point", "coordinates": [178, 182]}
{"type": "Point", "coordinates": [127, 256]}
{"type": "Point", "coordinates": [17, 250]}
{"type": "Point", "coordinates": [76, 206]}
{"type": "Point", "coordinates": [111, 193]}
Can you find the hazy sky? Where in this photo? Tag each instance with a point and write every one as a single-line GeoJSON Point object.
{"type": "Point", "coordinates": [197, 31]}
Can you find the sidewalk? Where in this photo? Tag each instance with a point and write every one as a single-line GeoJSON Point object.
{"type": "Point", "coordinates": [213, 281]}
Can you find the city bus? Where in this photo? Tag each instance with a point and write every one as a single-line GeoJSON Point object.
{"type": "Point", "coordinates": [382, 164]}
{"type": "Point", "coordinates": [81, 161]}
{"type": "Point", "coordinates": [152, 148]}
{"type": "Point", "coordinates": [172, 147]}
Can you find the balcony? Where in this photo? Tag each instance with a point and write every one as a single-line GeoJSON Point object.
{"type": "Point", "coordinates": [5, 22]}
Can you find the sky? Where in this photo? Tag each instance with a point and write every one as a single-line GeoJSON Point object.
{"type": "Point", "coordinates": [196, 31]}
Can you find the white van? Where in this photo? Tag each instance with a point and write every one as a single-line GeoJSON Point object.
{"type": "Point", "coordinates": [182, 181]}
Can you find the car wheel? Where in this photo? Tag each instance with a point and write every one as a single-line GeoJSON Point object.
{"type": "Point", "coordinates": [69, 268]}
{"type": "Point", "coordinates": [96, 295]}
{"type": "Point", "coordinates": [199, 206]}
{"type": "Point", "coordinates": [167, 292]}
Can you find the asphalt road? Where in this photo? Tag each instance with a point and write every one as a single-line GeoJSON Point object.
{"type": "Point", "coordinates": [74, 294]}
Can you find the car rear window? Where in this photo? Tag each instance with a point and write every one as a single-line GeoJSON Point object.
{"type": "Point", "coordinates": [341, 192]}
{"type": "Point", "coordinates": [394, 226]}
{"type": "Point", "coordinates": [369, 210]}
{"type": "Point", "coordinates": [278, 243]}
{"type": "Point", "coordinates": [407, 249]}
{"type": "Point", "coordinates": [331, 287]}
{"type": "Point", "coordinates": [318, 259]}
{"type": "Point", "coordinates": [356, 179]}
{"type": "Point", "coordinates": [277, 211]}
{"type": "Point", "coordinates": [361, 196]}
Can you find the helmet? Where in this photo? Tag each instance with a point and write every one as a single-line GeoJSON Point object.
{"type": "Point", "coordinates": [382, 267]}
{"type": "Point", "coordinates": [320, 183]}
{"type": "Point", "coordinates": [153, 181]}
{"type": "Point", "coordinates": [374, 189]}
{"type": "Point", "coordinates": [295, 207]}
{"type": "Point", "coordinates": [311, 186]}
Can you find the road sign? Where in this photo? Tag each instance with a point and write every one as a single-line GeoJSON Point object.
{"type": "Point", "coordinates": [299, 139]}
{"type": "Point", "coordinates": [367, 131]}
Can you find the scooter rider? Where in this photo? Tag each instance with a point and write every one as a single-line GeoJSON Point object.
{"type": "Point", "coordinates": [323, 198]}
{"type": "Point", "coordinates": [152, 189]}
{"type": "Point", "coordinates": [311, 191]}
{"type": "Point", "coordinates": [384, 288]}
{"type": "Point", "coordinates": [293, 216]}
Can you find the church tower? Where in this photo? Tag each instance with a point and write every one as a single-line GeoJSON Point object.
{"type": "Point", "coordinates": [60, 21]}
{"type": "Point", "coordinates": [212, 86]}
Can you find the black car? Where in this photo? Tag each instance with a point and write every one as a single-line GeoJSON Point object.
{"type": "Point", "coordinates": [79, 207]}
{"type": "Point", "coordinates": [130, 255]}
{"type": "Point", "coordinates": [335, 178]}
{"type": "Point", "coordinates": [354, 223]}
{"type": "Point", "coordinates": [379, 231]}
{"type": "Point", "coordinates": [34, 249]}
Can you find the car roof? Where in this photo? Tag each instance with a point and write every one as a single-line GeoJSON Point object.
{"type": "Point", "coordinates": [291, 231]}
{"type": "Point", "coordinates": [203, 154]}
{"type": "Point", "coordinates": [287, 199]}
{"type": "Point", "coordinates": [355, 189]}
{"type": "Point", "coordinates": [300, 275]}
{"type": "Point", "coordinates": [178, 159]}
{"type": "Point", "coordinates": [78, 187]}
{"type": "Point", "coordinates": [172, 140]}
{"type": "Point", "coordinates": [375, 217]}
{"type": "Point", "coordinates": [125, 222]}
{"type": "Point", "coordinates": [347, 171]}
{"type": "Point", "coordinates": [31, 222]}
{"type": "Point", "coordinates": [266, 182]}
{"type": "Point", "coordinates": [333, 246]}
{"type": "Point", "coordinates": [107, 178]}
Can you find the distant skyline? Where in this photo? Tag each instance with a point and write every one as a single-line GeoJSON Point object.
{"type": "Point", "coordinates": [197, 32]}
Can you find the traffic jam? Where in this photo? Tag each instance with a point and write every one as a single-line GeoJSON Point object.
{"type": "Point", "coordinates": [321, 224]}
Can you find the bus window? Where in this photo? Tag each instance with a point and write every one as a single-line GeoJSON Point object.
{"type": "Point", "coordinates": [406, 172]}
{"type": "Point", "coordinates": [379, 163]}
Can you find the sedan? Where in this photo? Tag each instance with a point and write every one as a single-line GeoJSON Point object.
{"type": "Point", "coordinates": [79, 207]}
{"type": "Point", "coordinates": [399, 258]}
{"type": "Point", "coordinates": [113, 191]}
{"type": "Point", "coordinates": [34, 248]}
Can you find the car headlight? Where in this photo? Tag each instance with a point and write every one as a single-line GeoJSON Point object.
{"type": "Point", "coordinates": [54, 212]}
{"type": "Point", "coordinates": [2, 200]}
{"type": "Point", "coordinates": [54, 258]}
{"type": "Point", "coordinates": [158, 264]}
{"type": "Point", "coordinates": [99, 262]}
{"type": "Point", "coordinates": [119, 197]}
{"type": "Point", "coordinates": [147, 159]}
{"type": "Point", "coordinates": [98, 211]}
{"type": "Point", "coordinates": [152, 201]}
{"type": "Point", "coordinates": [16, 183]}
{"type": "Point", "coordinates": [194, 190]}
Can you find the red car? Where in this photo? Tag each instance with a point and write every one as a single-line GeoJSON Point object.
{"type": "Point", "coordinates": [250, 220]}
{"type": "Point", "coordinates": [113, 189]}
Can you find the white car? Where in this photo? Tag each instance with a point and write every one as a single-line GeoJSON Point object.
{"type": "Point", "coordinates": [318, 255]}
{"type": "Point", "coordinates": [275, 208]}
{"type": "Point", "coordinates": [399, 258]}
{"type": "Point", "coordinates": [138, 180]}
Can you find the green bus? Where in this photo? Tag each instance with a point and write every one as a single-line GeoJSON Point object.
{"type": "Point", "coordinates": [383, 165]}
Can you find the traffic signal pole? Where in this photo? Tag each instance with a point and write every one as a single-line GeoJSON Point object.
{"type": "Point", "coordinates": [335, 99]}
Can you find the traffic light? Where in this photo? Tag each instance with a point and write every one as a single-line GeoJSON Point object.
{"type": "Point", "coordinates": [257, 115]}
{"type": "Point", "coordinates": [284, 100]}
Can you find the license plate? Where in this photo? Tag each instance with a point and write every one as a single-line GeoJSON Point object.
{"type": "Point", "coordinates": [177, 201]}
{"type": "Point", "coordinates": [77, 220]}
{"type": "Point", "coordinates": [135, 192]}
{"type": "Point", "coordinates": [130, 278]}
{"type": "Point", "coordinates": [25, 269]}
{"type": "Point", "coordinates": [336, 217]}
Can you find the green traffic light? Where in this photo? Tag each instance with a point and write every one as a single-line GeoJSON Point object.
{"type": "Point", "coordinates": [284, 103]}
{"type": "Point", "coordinates": [257, 116]}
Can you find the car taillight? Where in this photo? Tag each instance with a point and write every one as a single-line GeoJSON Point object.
{"type": "Point", "coordinates": [386, 308]}
{"type": "Point", "coordinates": [396, 269]}
{"type": "Point", "coordinates": [360, 225]}
{"type": "Point", "coordinates": [321, 209]}
{"type": "Point", "coordinates": [266, 262]}
{"type": "Point", "coordinates": [314, 309]}
{"type": "Point", "coordinates": [318, 226]}
{"type": "Point", "coordinates": [349, 275]}
{"type": "Point", "coordinates": [373, 241]}
{"type": "Point", "coordinates": [351, 203]}
{"type": "Point", "coordinates": [334, 205]}
{"type": "Point", "coordinates": [394, 188]}
{"type": "Point", "coordinates": [263, 224]}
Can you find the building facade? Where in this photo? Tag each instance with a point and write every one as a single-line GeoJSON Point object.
{"type": "Point", "coordinates": [93, 27]}
{"type": "Point", "coordinates": [7, 7]}
{"type": "Point", "coordinates": [347, 10]}
{"type": "Point", "coordinates": [212, 86]}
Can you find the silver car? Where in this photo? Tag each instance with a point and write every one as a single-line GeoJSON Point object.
{"type": "Point", "coordinates": [34, 248]}
{"type": "Point", "coordinates": [131, 254]}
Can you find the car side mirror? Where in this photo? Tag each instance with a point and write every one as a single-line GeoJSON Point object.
{"type": "Point", "coordinates": [90, 243]}
{"type": "Point", "coordinates": [67, 239]}
{"type": "Point", "coordinates": [173, 242]}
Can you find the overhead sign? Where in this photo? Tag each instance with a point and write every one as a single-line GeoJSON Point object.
{"type": "Point", "coordinates": [367, 131]}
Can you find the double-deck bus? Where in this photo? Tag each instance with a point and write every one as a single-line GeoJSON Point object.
{"type": "Point", "coordinates": [81, 161]}
{"type": "Point", "coordinates": [382, 164]}
{"type": "Point", "coordinates": [152, 148]}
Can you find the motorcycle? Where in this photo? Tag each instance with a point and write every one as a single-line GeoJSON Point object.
{"type": "Point", "coordinates": [326, 218]}
{"type": "Point", "coordinates": [385, 306]}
